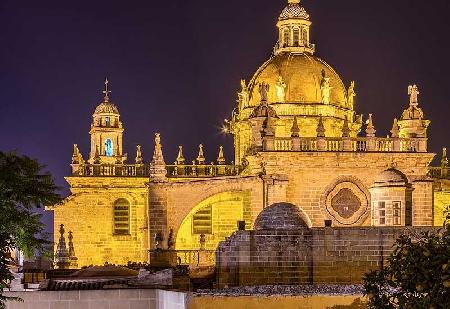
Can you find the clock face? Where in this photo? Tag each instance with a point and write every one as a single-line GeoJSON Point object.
{"type": "Point", "coordinates": [108, 148]}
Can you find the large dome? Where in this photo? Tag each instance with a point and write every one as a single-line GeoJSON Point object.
{"type": "Point", "coordinates": [302, 74]}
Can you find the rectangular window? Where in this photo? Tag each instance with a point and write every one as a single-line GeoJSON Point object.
{"type": "Point", "coordinates": [202, 221]}
{"type": "Point", "coordinates": [296, 37]}
{"type": "Point", "coordinates": [397, 213]}
{"type": "Point", "coordinates": [382, 213]}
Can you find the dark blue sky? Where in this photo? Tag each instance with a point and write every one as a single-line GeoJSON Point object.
{"type": "Point", "coordinates": [175, 67]}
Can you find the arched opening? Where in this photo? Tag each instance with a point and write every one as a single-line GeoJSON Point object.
{"type": "Point", "coordinates": [215, 217]}
{"type": "Point", "coordinates": [121, 217]}
{"type": "Point", "coordinates": [286, 37]}
{"type": "Point", "coordinates": [296, 37]}
{"type": "Point", "coordinates": [108, 147]}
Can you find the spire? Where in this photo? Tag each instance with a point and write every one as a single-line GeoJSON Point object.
{"type": "Point", "coordinates": [221, 157]}
{"type": "Point", "coordinates": [139, 154]}
{"type": "Point", "coordinates": [370, 130]}
{"type": "Point", "coordinates": [201, 156]}
{"type": "Point", "coordinates": [295, 130]}
{"type": "Point", "coordinates": [106, 92]}
{"type": "Point", "coordinates": [320, 128]}
{"type": "Point", "coordinates": [395, 131]}
{"type": "Point", "coordinates": [269, 126]}
{"type": "Point", "coordinates": [62, 254]}
{"type": "Point", "coordinates": [345, 128]}
{"type": "Point", "coordinates": [73, 259]}
{"type": "Point", "coordinates": [180, 157]}
{"type": "Point", "coordinates": [158, 166]}
{"type": "Point", "coordinates": [75, 154]}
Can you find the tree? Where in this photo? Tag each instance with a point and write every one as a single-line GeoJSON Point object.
{"type": "Point", "coordinates": [23, 188]}
{"type": "Point", "coordinates": [418, 275]}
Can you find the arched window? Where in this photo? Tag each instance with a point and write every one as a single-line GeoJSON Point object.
{"type": "Point", "coordinates": [304, 37]}
{"type": "Point", "coordinates": [121, 217]}
{"type": "Point", "coordinates": [286, 37]}
{"type": "Point", "coordinates": [108, 147]}
{"type": "Point", "coordinates": [296, 37]}
{"type": "Point", "coordinates": [107, 121]}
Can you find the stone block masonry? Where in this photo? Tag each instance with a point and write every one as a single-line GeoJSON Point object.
{"type": "Point", "coordinates": [305, 256]}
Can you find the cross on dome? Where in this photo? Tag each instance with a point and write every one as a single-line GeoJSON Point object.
{"type": "Point", "coordinates": [106, 92]}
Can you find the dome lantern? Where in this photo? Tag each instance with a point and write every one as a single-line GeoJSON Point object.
{"type": "Point", "coordinates": [294, 30]}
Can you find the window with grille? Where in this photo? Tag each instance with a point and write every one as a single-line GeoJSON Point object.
{"type": "Point", "coordinates": [382, 213]}
{"type": "Point", "coordinates": [121, 217]}
{"type": "Point", "coordinates": [397, 212]}
{"type": "Point", "coordinates": [202, 221]}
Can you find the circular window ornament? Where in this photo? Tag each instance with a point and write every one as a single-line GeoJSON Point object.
{"type": "Point", "coordinates": [347, 201]}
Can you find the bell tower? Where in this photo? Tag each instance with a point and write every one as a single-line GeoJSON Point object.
{"type": "Point", "coordinates": [294, 30]}
{"type": "Point", "coordinates": [106, 133]}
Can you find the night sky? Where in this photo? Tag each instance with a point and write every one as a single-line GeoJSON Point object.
{"type": "Point", "coordinates": [175, 67]}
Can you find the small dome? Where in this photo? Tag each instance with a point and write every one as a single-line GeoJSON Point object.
{"type": "Point", "coordinates": [294, 10]}
{"type": "Point", "coordinates": [280, 216]}
{"type": "Point", "coordinates": [391, 176]}
{"type": "Point", "coordinates": [106, 108]}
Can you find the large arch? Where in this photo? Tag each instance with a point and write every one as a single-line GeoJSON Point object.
{"type": "Point", "coordinates": [225, 209]}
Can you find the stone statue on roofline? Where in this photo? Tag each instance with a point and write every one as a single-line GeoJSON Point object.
{"type": "Point", "coordinates": [243, 95]}
{"type": "Point", "coordinates": [325, 88]}
{"type": "Point", "coordinates": [264, 91]}
{"type": "Point", "coordinates": [351, 94]}
{"type": "Point", "coordinates": [413, 92]}
{"type": "Point", "coordinates": [281, 89]}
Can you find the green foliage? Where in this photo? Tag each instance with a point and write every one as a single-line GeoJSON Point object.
{"type": "Point", "coordinates": [418, 275]}
{"type": "Point", "coordinates": [23, 188]}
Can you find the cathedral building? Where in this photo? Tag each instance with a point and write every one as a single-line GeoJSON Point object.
{"type": "Point", "coordinates": [297, 139]}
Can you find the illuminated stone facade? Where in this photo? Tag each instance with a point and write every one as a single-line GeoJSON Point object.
{"type": "Point", "coordinates": [298, 140]}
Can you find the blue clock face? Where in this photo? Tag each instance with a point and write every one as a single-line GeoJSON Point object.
{"type": "Point", "coordinates": [108, 148]}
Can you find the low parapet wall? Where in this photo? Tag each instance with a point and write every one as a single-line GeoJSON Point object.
{"type": "Point", "coordinates": [305, 256]}
{"type": "Point", "coordinates": [100, 299]}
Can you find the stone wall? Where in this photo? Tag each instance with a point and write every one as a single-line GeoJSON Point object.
{"type": "Point", "coordinates": [88, 213]}
{"type": "Point", "coordinates": [101, 299]}
{"type": "Point", "coordinates": [318, 255]}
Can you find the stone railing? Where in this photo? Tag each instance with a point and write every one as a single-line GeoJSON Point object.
{"type": "Point", "coordinates": [110, 170]}
{"type": "Point", "coordinates": [442, 172]}
{"type": "Point", "coordinates": [359, 144]}
{"type": "Point", "coordinates": [201, 171]}
{"type": "Point", "coordinates": [196, 257]}
{"type": "Point", "coordinates": [143, 170]}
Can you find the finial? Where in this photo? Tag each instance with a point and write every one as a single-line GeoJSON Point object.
{"type": "Point", "coordinates": [201, 156]}
{"type": "Point", "coordinates": [293, 1]}
{"type": "Point", "coordinates": [395, 130]}
{"type": "Point", "coordinates": [106, 92]}
{"type": "Point", "coordinates": [370, 130]}
{"type": "Point", "coordinates": [295, 130]}
{"type": "Point", "coordinates": [75, 154]}
{"type": "Point", "coordinates": [320, 128]}
{"type": "Point", "coordinates": [221, 157]}
{"type": "Point", "coordinates": [345, 128]}
{"type": "Point", "coordinates": [269, 126]}
{"type": "Point", "coordinates": [180, 158]}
